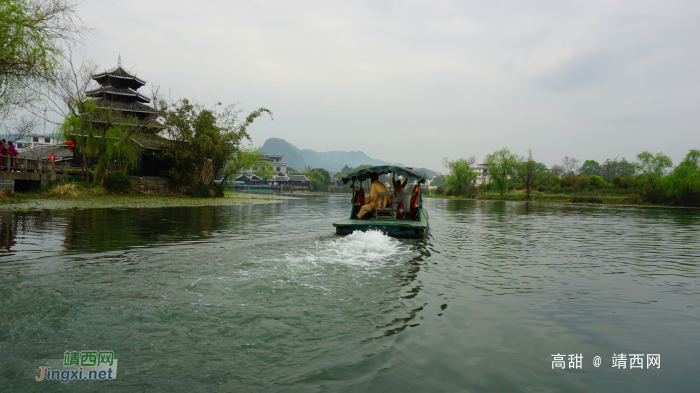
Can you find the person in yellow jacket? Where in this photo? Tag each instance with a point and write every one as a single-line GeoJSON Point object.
{"type": "Point", "coordinates": [374, 188]}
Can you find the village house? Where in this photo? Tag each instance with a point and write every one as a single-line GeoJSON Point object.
{"type": "Point", "coordinates": [290, 180]}
{"type": "Point", "coordinates": [36, 140]}
{"type": "Point", "coordinates": [250, 179]}
{"type": "Point", "coordinates": [482, 174]}
{"type": "Point", "coordinates": [279, 180]}
{"type": "Point", "coordinates": [298, 180]}
{"type": "Point", "coordinates": [277, 162]}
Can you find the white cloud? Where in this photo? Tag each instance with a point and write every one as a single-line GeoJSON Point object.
{"type": "Point", "coordinates": [416, 81]}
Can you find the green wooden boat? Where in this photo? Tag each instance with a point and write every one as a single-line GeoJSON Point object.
{"type": "Point", "coordinates": [401, 228]}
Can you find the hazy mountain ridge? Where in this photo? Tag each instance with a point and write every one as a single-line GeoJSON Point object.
{"type": "Point", "coordinates": [292, 155]}
{"type": "Point", "coordinates": [332, 161]}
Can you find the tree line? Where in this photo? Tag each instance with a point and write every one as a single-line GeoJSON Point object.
{"type": "Point", "coordinates": [652, 176]}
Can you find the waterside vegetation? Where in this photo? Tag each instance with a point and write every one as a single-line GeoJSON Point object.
{"type": "Point", "coordinates": [651, 180]}
{"type": "Point", "coordinates": [75, 194]}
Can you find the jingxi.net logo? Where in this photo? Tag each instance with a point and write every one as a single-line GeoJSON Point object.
{"type": "Point", "coordinates": [84, 365]}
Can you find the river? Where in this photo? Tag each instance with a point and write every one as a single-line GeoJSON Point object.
{"type": "Point", "coordinates": [268, 298]}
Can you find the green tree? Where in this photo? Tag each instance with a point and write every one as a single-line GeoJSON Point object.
{"type": "Point", "coordinates": [265, 175]}
{"type": "Point", "coordinates": [245, 158]}
{"type": "Point", "coordinates": [652, 166]}
{"type": "Point", "coordinates": [541, 168]}
{"type": "Point", "coordinates": [319, 178]}
{"type": "Point", "coordinates": [612, 168]}
{"type": "Point", "coordinates": [682, 185]}
{"type": "Point", "coordinates": [207, 141]}
{"type": "Point", "coordinates": [33, 37]}
{"type": "Point", "coordinates": [590, 167]}
{"type": "Point", "coordinates": [567, 181]}
{"type": "Point", "coordinates": [461, 176]}
{"type": "Point", "coordinates": [33, 34]}
{"type": "Point", "coordinates": [107, 137]}
{"type": "Point", "coordinates": [596, 181]}
{"type": "Point", "coordinates": [583, 182]}
{"type": "Point", "coordinates": [527, 170]}
{"type": "Point", "coordinates": [501, 164]}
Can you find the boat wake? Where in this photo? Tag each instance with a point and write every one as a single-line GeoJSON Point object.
{"type": "Point", "coordinates": [371, 249]}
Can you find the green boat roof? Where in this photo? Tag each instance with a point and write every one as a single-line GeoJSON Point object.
{"type": "Point", "coordinates": [365, 173]}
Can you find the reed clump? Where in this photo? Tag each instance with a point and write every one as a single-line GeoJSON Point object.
{"type": "Point", "coordinates": [63, 190]}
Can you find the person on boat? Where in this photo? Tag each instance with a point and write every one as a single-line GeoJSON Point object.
{"type": "Point", "coordinates": [374, 188]}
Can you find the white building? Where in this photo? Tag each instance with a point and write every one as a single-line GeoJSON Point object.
{"type": "Point", "coordinates": [482, 174]}
{"type": "Point", "coordinates": [36, 140]}
{"type": "Point", "coordinates": [276, 162]}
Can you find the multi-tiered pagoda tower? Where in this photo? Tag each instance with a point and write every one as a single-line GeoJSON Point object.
{"type": "Point", "coordinates": [118, 92]}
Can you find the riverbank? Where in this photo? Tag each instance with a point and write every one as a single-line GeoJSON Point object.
{"type": "Point", "coordinates": [589, 199]}
{"type": "Point", "coordinates": [40, 202]}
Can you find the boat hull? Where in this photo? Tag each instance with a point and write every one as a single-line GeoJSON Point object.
{"type": "Point", "coordinates": [405, 229]}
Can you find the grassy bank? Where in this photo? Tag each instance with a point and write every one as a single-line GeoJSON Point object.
{"type": "Point", "coordinates": [75, 196]}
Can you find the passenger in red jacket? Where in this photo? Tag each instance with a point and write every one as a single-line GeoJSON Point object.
{"type": "Point", "coordinates": [13, 153]}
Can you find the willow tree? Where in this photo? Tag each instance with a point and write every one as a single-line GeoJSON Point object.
{"type": "Point", "coordinates": [652, 167]}
{"type": "Point", "coordinates": [107, 137]}
{"type": "Point", "coordinates": [501, 164]}
{"type": "Point", "coordinates": [34, 35]}
{"type": "Point", "coordinates": [247, 157]}
{"type": "Point", "coordinates": [682, 185]}
{"type": "Point", "coordinates": [461, 176]}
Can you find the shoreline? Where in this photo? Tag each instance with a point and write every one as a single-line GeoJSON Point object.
{"type": "Point", "coordinates": [612, 200]}
{"type": "Point", "coordinates": [135, 202]}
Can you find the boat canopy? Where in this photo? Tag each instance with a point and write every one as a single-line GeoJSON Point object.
{"type": "Point", "coordinates": [365, 173]}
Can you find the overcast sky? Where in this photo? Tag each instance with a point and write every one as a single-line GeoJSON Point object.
{"type": "Point", "coordinates": [417, 81]}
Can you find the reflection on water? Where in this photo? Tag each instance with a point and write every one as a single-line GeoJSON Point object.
{"type": "Point", "coordinates": [267, 297]}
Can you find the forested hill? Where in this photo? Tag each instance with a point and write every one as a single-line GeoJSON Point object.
{"type": "Point", "coordinates": [332, 161]}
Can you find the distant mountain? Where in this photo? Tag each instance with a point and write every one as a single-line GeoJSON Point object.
{"type": "Point", "coordinates": [427, 172]}
{"type": "Point", "coordinates": [292, 155]}
{"type": "Point", "coordinates": [332, 161]}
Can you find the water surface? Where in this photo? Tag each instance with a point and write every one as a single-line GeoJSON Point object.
{"type": "Point", "coordinates": [268, 298]}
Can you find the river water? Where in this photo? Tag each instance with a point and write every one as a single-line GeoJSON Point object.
{"type": "Point", "coordinates": [268, 298]}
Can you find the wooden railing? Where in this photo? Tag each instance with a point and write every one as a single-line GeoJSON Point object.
{"type": "Point", "coordinates": [32, 165]}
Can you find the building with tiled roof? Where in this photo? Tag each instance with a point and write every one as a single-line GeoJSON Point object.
{"type": "Point", "coordinates": [118, 91]}
{"type": "Point", "coordinates": [298, 180]}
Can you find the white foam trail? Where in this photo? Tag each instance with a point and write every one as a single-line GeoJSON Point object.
{"type": "Point", "coordinates": [360, 249]}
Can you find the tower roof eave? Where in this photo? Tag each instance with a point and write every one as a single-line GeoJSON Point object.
{"type": "Point", "coordinates": [125, 107]}
{"type": "Point", "coordinates": [128, 92]}
{"type": "Point", "coordinates": [119, 73]}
